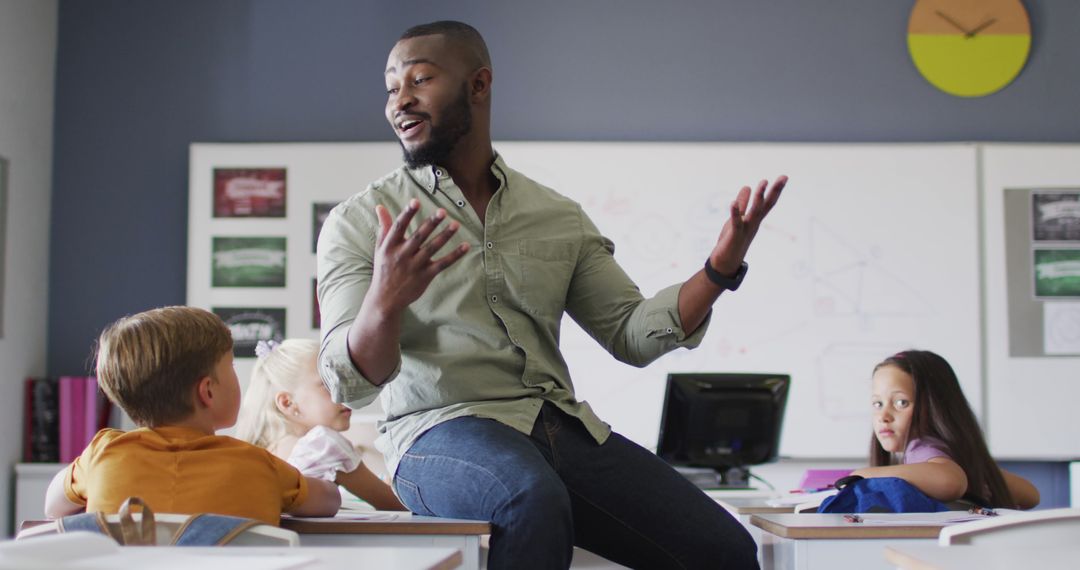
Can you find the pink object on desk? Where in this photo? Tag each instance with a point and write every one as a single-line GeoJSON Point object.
{"type": "Point", "coordinates": [820, 479]}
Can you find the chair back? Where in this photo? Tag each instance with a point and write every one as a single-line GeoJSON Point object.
{"type": "Point", "coordinates": [149, 529]}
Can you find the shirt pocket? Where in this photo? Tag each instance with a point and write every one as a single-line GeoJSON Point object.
{"type": "Point", "coordinates": [546, 267]}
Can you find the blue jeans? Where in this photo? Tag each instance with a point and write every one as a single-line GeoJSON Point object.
{"type": "Point", "coordinates": [556, 488]}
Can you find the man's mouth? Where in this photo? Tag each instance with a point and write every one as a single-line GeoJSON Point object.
{"type": "Point", "coordinates": [407, 124]}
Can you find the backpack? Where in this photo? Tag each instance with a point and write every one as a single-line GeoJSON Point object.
{"type": "Point", "coordinates": [880, 495]}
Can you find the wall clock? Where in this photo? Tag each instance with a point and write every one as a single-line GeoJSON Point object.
{"type": "Point", "coordinates": [969, 48]}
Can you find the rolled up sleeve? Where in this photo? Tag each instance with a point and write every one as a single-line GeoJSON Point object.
{"type": "Point", "coordinates": [610, 307]}
{"type": "Point", "coordinates": [345, 254]}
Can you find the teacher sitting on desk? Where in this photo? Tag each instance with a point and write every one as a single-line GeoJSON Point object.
{"type": "Point", "coordinates": [442, 287]}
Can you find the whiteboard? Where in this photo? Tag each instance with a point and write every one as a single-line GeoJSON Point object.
{"type": "Point", "coordinates": [872, 249]}
{"type": "Point", "coordinates": [1031, 400]}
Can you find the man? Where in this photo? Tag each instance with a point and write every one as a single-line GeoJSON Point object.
{"type": "Point", "coordinates": [451, 310]}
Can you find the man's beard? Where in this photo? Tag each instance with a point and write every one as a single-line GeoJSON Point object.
{"type": "Point", "coordinates": [456, 122]}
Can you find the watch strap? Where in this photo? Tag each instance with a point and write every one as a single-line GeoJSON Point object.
{"type": "Point", "coordinates": [730, 283]}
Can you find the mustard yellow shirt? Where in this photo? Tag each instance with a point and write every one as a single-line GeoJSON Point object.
{"type": "Point", "coordinates": [182, 470]}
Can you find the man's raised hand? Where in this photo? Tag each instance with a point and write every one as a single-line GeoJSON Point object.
{"type": "Point", "coordinates": [743, 223]}
{"type": "Point", "coordinates": [404, 265]}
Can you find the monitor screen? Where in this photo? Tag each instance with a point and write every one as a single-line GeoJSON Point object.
{"type": "Point", "coordinates": [722, 421]}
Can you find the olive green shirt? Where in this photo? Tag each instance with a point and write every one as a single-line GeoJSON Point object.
{"type": "Point", "coordinates": [483, 339]}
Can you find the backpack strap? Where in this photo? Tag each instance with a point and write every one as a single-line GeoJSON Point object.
{"type": "Point", "coordinates": [143, 535]}
{"type": "Point", "coordinates": [211, 530]}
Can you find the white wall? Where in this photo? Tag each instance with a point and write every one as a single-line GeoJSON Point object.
{"type": "Point", "coordinates": [27, 70]}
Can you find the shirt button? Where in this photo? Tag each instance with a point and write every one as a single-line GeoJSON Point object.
{"type": "Point", "coordinates": [670, 330]}
{"type": "Point", "coordinates": [490, 245]}
{"type": "Point", "coordinates": [461, 203]}
{"type": "Point", "coordinates": [494, 298]}
{"type": "Point", "coordinates": [438, 173]}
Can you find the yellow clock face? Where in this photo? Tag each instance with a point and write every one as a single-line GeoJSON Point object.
{"type": "Point", "coordinates": [969, 48]}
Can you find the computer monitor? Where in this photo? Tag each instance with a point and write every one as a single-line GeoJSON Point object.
{"type": "Point", "coordinates": [714, 426]}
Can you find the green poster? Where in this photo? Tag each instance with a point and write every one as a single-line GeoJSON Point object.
{"type": "Point", "coordinates": [249, 262]}
{"type": "Point", "coordinates": [1057, 272]}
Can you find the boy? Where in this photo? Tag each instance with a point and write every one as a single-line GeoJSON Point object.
{"type": "Point", "coordinates": [171, 370]}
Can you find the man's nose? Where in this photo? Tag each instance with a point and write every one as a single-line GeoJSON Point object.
{"type": "Point", "coordinates": [403, 99]}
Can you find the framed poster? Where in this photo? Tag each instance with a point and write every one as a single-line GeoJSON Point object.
{"type": "Point", "coordinates": [319, 211]}
{"type": "Point", "coordinates": [249, 325]}
{"type": "Point", "coordinates": [249, 262]}
{"type": "Point", "coordinates": [1055, 215]}
{"type": "Point", "coordinates": [249, 192]}
{"type": "Point", "coordinates": [1057, 273]}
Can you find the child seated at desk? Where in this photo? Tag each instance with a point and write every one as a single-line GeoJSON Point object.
{"type": "Point", "coordinates": [171, 370]}
{"type": "Point", "coordinates": [926, 434]}
{"type": "Point", "coordinates": [287, 409]}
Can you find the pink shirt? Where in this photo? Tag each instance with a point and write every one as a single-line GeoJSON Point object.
{"type": "Point", "coordinates": [923, 450]}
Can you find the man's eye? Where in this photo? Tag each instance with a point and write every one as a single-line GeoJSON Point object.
{"type": "Point", "coordinates": [420, 80]}
{"type": "Point", "coordinates": [391, 90]}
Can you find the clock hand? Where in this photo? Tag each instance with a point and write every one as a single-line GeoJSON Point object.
{"type": "Point", "coordinates": [980, 27]}
{"type": "Point", "coordinates": [953, 22]}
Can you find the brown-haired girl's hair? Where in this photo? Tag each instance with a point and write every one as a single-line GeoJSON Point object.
{"type": "Point", "coordinates": [942, 413]}
{"type": "Point", "coordinates": [149, 363]}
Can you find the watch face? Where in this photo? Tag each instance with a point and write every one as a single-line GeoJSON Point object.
{"type": "Point", "coordinates": [969, 48]}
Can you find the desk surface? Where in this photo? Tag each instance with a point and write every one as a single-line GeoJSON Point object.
{"type": "Point", "coordinates": [833, 526]}
{"type": "Point", "coordinates": [752, 506]}
{"type": "Point", "coordinates": [403, 524]}
{"type": "Point", "coordinates": [965, 557]}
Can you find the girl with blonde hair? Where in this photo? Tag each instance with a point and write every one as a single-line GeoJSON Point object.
{"type": "Point", "coordinates": [287, 409]}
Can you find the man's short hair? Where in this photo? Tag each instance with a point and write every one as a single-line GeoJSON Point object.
{"type": "Point", "coordinates": [149, 363]}
{"type": "Point", "coordinates": [457, 32]}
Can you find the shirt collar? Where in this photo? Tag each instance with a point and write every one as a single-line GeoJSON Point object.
{"type": "Point", "coordinates": [430, 177]}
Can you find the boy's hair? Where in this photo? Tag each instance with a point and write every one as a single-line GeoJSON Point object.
{"type": "Point", "coordinates": [149, 363]}
{"type": "Point", "coordinates": [942, 414]}
{"type": "Point", "coordinates": [261, 422]}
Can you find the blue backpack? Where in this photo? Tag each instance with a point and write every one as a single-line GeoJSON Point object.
{"type": "Point", "coordinates": [881, 495]}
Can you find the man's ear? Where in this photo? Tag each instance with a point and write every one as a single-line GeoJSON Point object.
{"type": "Point", "coordinates": [284, 403]}
{"type": "Point", "coordinates": [204, 391]}
{"type": "Point", "coordinates": [480, 85]}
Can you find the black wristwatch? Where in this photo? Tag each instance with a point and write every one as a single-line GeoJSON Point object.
{"type": "Point", "coordinates": [730, 283]}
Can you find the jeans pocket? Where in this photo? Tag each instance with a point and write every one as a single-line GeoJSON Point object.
{"type": "Point", "coordinates": [410, 496]}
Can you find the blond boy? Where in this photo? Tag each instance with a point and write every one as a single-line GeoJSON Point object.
{"type": "Point", "coordinates": [171, 370]}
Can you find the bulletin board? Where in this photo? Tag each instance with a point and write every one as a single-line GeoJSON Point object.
{"type": "Point", "coordinates": [1032, 238]}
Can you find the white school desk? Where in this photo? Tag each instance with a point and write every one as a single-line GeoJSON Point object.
{"type": "Point", "coordinates": [742, 508]}
{"type": "Point", "coordinates": [811, 541]}
{"type": "Point", "coordinates": [257, 558]}
{"type": "Point", "coordinates": [405, 530]}
{"type": "Point", "coordinates": [982, 557]}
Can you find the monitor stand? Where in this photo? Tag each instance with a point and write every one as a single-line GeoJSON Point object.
{"type": "Point", "coordinates": [718, 478]}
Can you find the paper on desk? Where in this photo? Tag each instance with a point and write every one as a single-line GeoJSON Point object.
{"type": "Point", "coordinates": [919, 519]}
{"type": "Point", "coordinates": [799, 498]}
